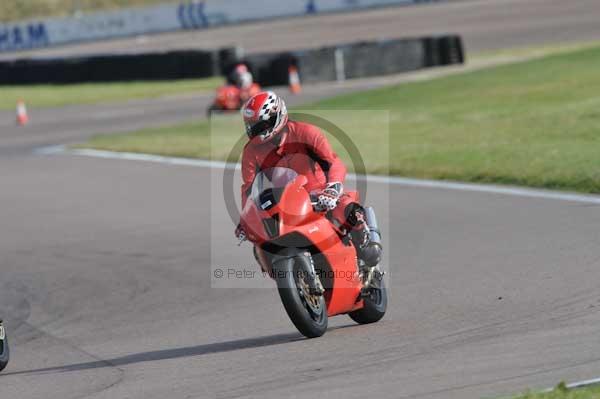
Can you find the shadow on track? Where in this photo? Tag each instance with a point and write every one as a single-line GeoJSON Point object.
{"type": "Point", "coordinates": [166, 354]}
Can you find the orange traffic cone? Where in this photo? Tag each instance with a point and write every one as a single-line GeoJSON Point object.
{"type": "Point", "coordinates": [22, 118]}
{"type": "Point", "coordinates": [295, 86]}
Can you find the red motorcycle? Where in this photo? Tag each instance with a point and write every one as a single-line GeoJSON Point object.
{"type": "Point", "coordinates": [314, 264]}
{"type": "Point", "coordinates": [231, 98]}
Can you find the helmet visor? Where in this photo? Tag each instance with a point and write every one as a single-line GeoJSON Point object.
{"type": "Point", "coordinates": [261, 127]}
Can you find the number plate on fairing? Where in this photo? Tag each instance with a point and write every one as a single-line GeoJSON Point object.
{"type": "Point", "coordinates": [1, 332]}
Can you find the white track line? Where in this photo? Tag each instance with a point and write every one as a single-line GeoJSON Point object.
{"type": "Point", "coordinates": [578, 384]}
{"type": "Point", "coordinates": [401, 181]}
{"type": "Point", "coordinates": [585, 383]}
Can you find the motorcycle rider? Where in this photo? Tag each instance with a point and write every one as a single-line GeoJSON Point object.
{"type": "Point", "coordinates": [239, 88]}
{"type": "Point", "coordinates": [274, 140]}
{"type": "Point", "coordinates": [242, 78]}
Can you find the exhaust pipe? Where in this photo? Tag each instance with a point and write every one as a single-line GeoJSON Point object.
{"type": "Point", "coordinates": [371, 219]}
{"type": "Point", "coordinates": [373, 250]}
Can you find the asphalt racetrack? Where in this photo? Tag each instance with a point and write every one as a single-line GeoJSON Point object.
{"type": "Point", "coordinates": [105, 275]}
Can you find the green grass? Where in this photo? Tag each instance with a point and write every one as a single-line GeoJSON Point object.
{"type": "Point", "coordinates": [561, 392]}
{"type": "Point", "coordinates": [13, 10]}
{"type": "Point", "coordinates": [535, 123]}
{"type": "Point", "coordinates": [188, 140]}
{"type": "Point", "coordinates": [92, 93]}
{"type": "Point", "coordinates": [534, 51]}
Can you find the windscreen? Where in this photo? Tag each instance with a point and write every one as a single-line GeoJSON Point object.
{"type": "Point", "coordinates": [268, 186]}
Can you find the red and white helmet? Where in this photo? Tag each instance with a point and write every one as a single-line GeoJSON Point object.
{"type": "Point", "coordinates": [264, 115]}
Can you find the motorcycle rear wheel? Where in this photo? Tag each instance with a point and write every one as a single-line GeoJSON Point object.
{"type": "Point", "coordinates": [374, 308]}
{"type": "Point", "coordinates": [307, 312]}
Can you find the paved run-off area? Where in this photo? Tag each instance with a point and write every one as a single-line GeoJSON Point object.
{"type": "Point", "coordinates": [105, 273]}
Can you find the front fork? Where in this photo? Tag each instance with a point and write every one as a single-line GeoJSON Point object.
{"type": "Point", "coordinates": [316, 287]}
{"type": "Point", "coordinates": [263, 261]}
{"type": "Point", "coordinates": [314, 282]}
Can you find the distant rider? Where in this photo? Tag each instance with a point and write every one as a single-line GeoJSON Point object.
{"type": "Point", "coordinates": [274, 140]}
{"type": "Point", "coordinates": [242, 78]}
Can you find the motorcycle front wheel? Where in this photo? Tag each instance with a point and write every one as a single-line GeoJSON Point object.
{"type": "Point", "coordinates": [307, 311]}
{"type": "Point", "coordinates": [4, 352]}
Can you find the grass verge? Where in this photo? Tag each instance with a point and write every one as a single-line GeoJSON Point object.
{"type": "Point", "coordinates": [93, 93]}
{"type": "Point", "coordinates": [13, 10]}
{"type": "Point", "coordinates": [534, 123]}
{"type": "Point", "coordinates": [561, 392]}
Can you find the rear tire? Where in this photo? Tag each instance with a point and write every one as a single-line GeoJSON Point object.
{"type": "Point", "coordinates": [4, 351]}
{"type": "Point", "coordinates": [374, 308]}
{"type": "Point", "coordinates": [308, 313]}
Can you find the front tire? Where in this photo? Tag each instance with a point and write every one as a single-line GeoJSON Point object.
{"type": "Point", "coordinates": [374, 308]}
{"type": "Point", "coordinates": [4, 351]}
{"type": "Point", "coordinates": [307, 312]}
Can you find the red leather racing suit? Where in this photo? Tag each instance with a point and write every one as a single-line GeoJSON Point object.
{"type": "Point", "coordinates": [305, 149]}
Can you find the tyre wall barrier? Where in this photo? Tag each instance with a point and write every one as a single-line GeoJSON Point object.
{"type": "Point", "coordinates": [120, 67]}
{"type": "Point", "coordinates": [341, 62]}
{"type": "Point", "coordinates": [358, 60]}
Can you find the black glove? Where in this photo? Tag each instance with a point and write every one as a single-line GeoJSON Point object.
{"type": "Point", "coordinates": [240, 233]}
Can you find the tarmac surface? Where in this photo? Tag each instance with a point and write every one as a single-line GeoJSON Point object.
{"type": "Point", "coordinates": [106, 272]}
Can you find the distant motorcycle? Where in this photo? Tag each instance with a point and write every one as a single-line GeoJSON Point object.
{"type": "Point", "coordinates": [4, 352]}
{"type": "Point", "coordinates": [231, 98]}
{"type": "Point", "coordinates": [315, 265]}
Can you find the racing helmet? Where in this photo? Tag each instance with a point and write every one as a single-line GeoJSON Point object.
{"type": "Point", "coordinates": [241, 76]}
{"type": "Point", "coordinates": [265, 115]}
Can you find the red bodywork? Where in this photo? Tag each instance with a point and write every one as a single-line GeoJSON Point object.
{"type": "Point", "coordinates": [295, 219]}
{"type": "Point", "coordinates": [231, 98]}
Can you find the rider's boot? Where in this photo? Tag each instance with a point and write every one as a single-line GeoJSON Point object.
{"type": "Point", "coordinates": [366, 236]}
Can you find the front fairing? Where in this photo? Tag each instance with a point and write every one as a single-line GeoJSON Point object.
{"type": "Point", "coordinates": [269, 220]}
{"type": "Point", "coordinates": [228, 97]}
